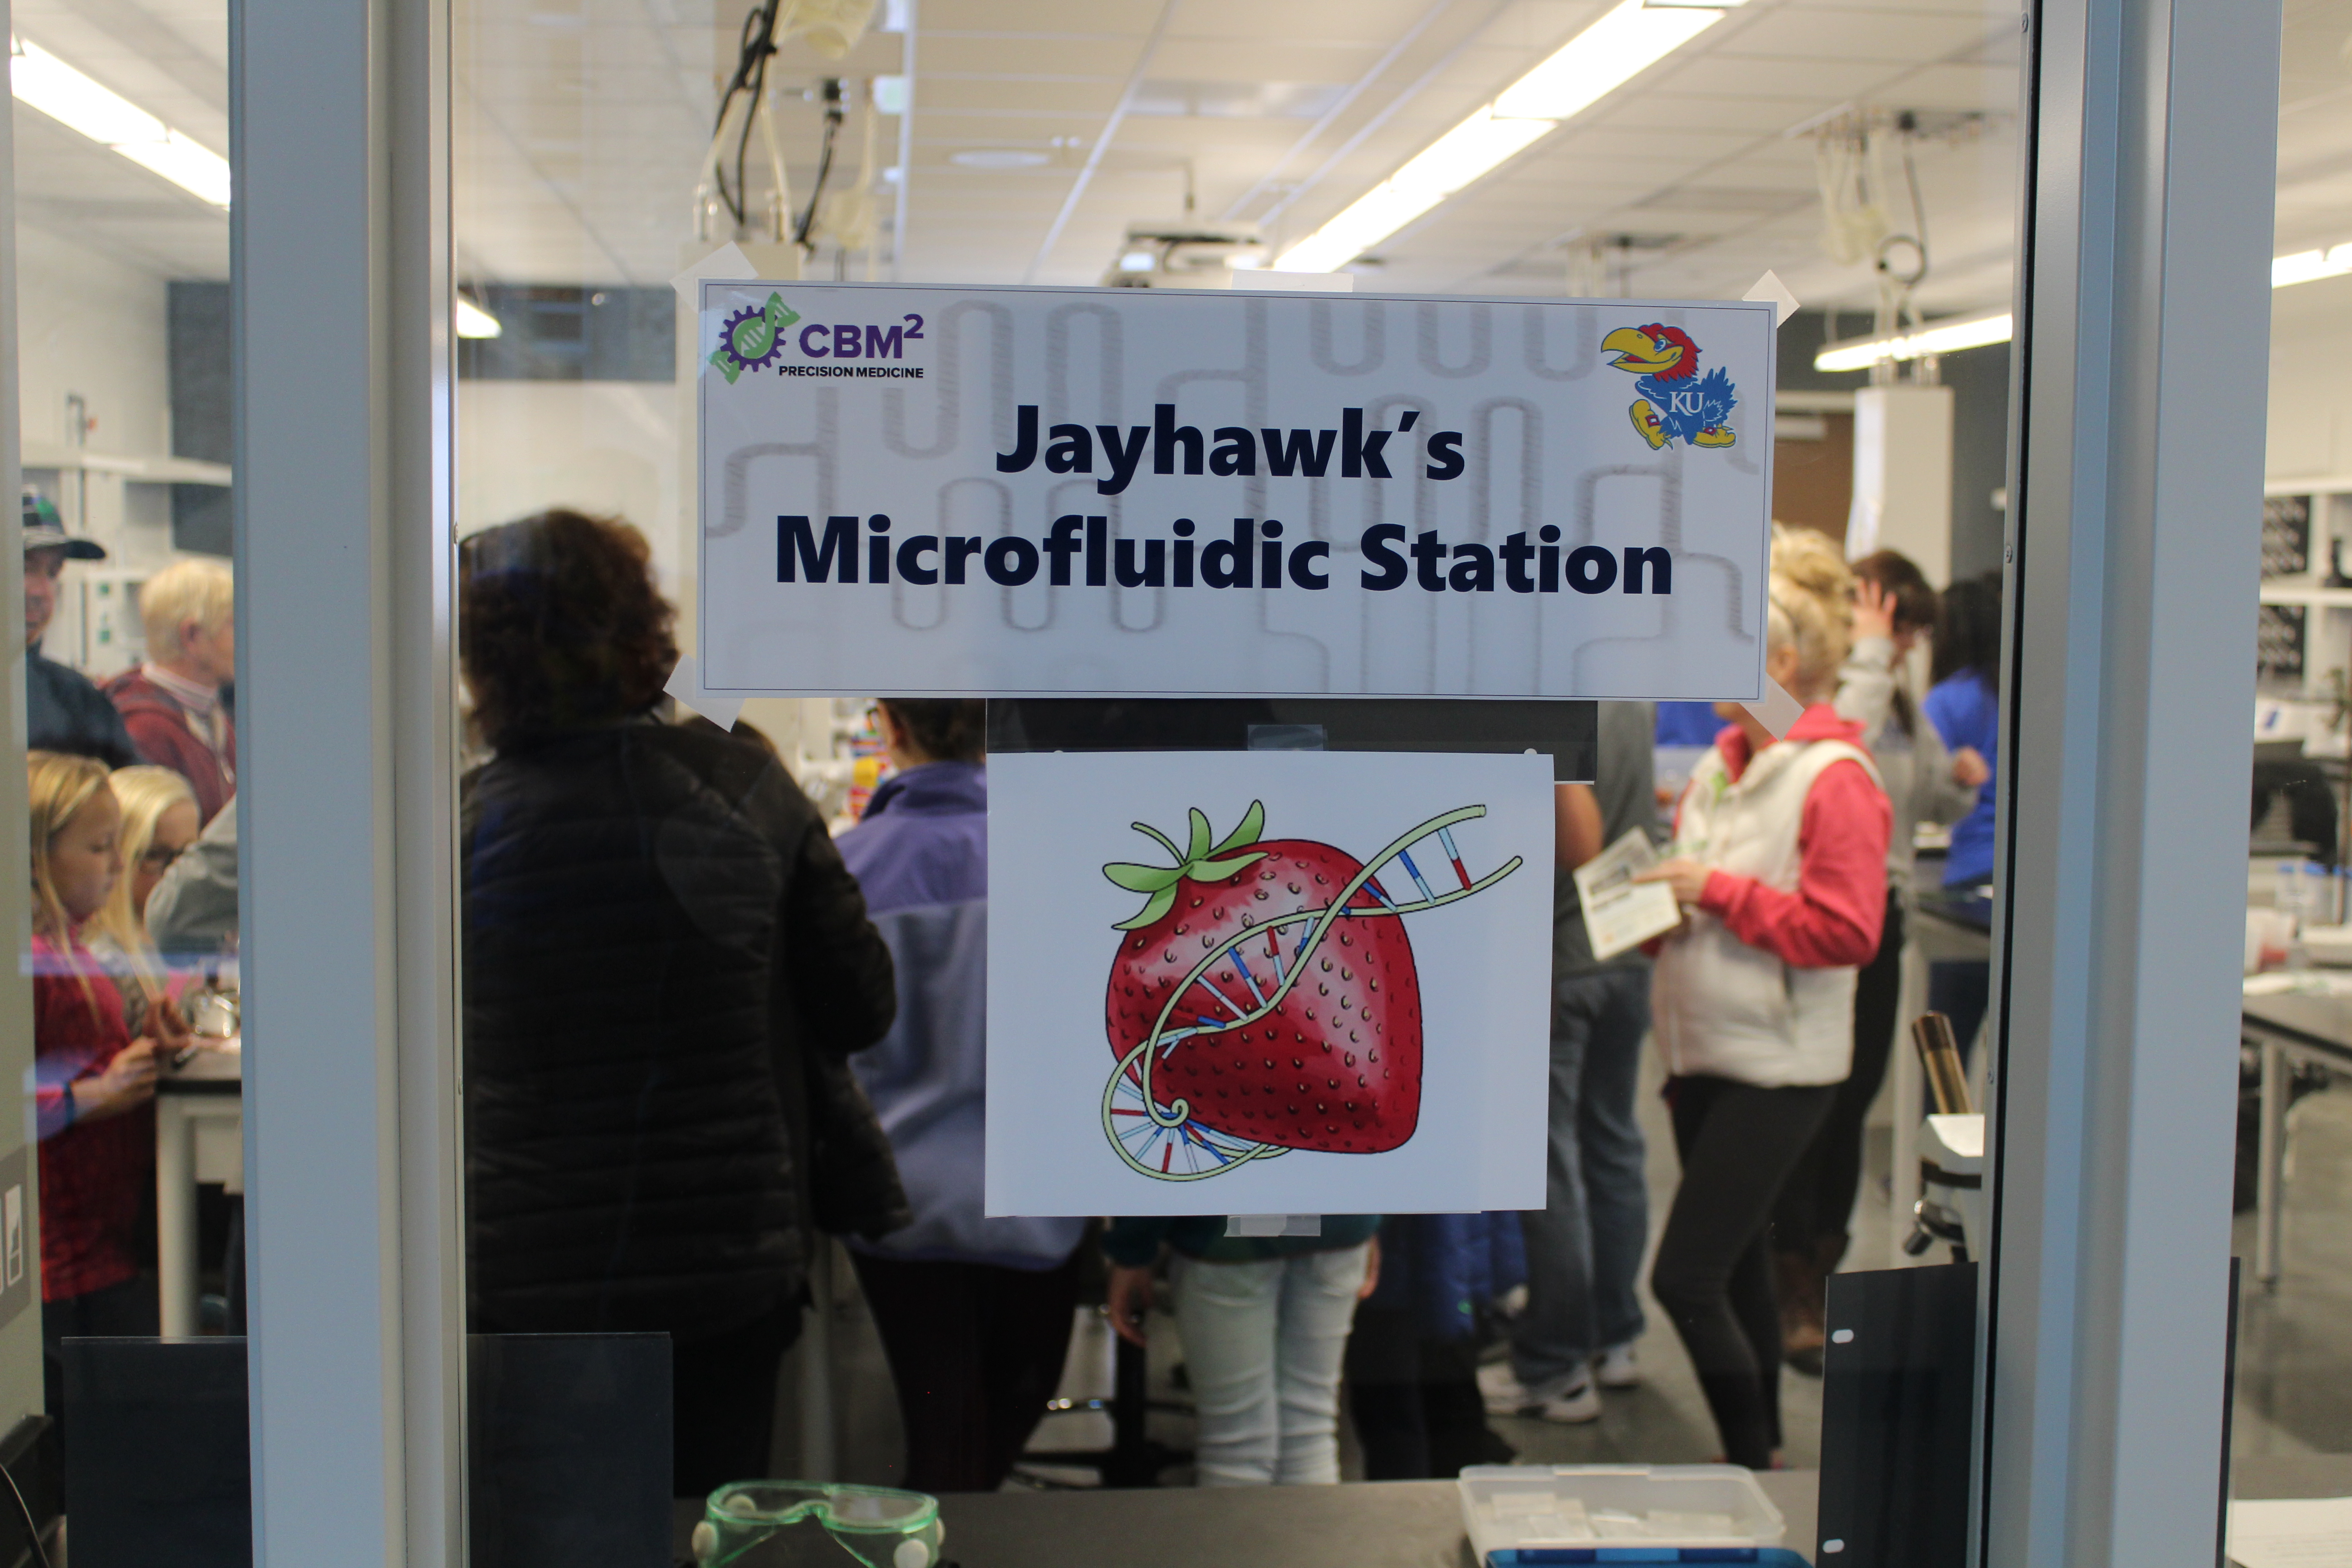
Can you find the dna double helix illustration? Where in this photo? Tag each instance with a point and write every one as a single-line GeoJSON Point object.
{"type": "Point", "coordinates": [1160, 1133]}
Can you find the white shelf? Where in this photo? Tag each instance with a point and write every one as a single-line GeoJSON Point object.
{"type": "Point", "coordinates": [138, 470]}
{"type": "Point", "coordinates": [2317, 485]}
{"type": "Point", "coordinates": [2307, 594]}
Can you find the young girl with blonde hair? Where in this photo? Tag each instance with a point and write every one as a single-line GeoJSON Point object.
{"type": "Point", "coordinates": [1780, 865]}
{"type": "Point", "coordinates": [159, 823]}
{"type": "Point", "coordinates": [94, 1085]}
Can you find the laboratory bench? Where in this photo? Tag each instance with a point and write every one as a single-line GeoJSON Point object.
{"type": "Point", "coordinates": [199, 1139]}
{"type": "Point", "coordinates": [2286, 1027]}
{"type": "Point", "coordinates": [1363, 1524]}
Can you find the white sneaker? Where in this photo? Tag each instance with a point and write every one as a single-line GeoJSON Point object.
{"type": "Point", "coordinates": [1574, 1406]}
{"type": "Point", "coordinates": [1568, 1403]}
{"type": "Point", "coordinates": [1616, 1368]}
{"type": "Point", "coordinates": [1504, 1392]}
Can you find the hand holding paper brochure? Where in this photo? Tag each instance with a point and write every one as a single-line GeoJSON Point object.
{"type": "Point", "coordinates": [1619, 912]}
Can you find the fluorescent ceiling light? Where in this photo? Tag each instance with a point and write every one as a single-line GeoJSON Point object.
{"type": "Point", "coordinates": [1943, 338]}
{"type": "Point", "coordinates": [1976, 332]}
{"type": "Point", "coordinates": [1627, 40]}
{"type": "Point", "coordinates": [998, 158]}
{"type": "Point", "coordinates": [41, 79]}
{"type": "Point", "coordinates": [473, 321]}
{"type": "Point", "coordinates": [1623, 43]}
{"type": "Point", "coordinates": [2310, 266]}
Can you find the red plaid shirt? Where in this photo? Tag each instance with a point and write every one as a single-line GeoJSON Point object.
{"type": "Point", "coordinates": [92, 1173]}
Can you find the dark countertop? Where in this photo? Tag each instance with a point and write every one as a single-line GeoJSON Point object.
{"type": "Point", "coordinates": [1948, 925]}
{"type": "Point", "coordinates": [1364, 1524]}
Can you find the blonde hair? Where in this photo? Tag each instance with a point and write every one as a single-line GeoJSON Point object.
{"type": "Point", "coordinates": [58, 787]}
{"type": "Point", "coordinates": [146, 792]}
{"type": "Point", "coordinates": [192, 590]}
{"type": "Point", "coordinates": [1812, 607]}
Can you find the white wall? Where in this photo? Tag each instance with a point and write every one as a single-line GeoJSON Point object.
{"type": "Point", "coordinates": [2311, 394]}
{"type": "Point", "coordinates": [604, 447]}
{"type": "Point", "coordinates": [91, 324]}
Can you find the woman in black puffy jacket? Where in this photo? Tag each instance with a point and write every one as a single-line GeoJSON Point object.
{"type": "Point", "coordinates": [665, 967]}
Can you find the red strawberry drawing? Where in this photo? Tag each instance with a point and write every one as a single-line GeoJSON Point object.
{"type": "Point", "coordinates": [1335, 1063]}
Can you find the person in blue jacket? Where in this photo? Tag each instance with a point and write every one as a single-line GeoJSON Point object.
{"type": "Point", "coordinates": [1964, 704]}
{"type": "Point", "coordinates": [974, 1313]}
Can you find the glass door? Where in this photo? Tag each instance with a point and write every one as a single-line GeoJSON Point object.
{"type": "Point", "coordinates": [2287, 1438]}
{"type": "Point", "coordinates": [1870, 162]}
{"type": "Point", "coordinates": [889, 440]}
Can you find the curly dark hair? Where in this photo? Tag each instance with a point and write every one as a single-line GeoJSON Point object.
{"type": "Point", "coordinates": [558, 625]}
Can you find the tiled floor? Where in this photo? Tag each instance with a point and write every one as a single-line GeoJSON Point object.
{"type": "Point", "coordinates": [2294, 1345]}
{"type": "Point", "coordinates": [1665, 1421]}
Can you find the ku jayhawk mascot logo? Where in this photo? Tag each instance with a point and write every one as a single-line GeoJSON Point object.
{"type": "Point", "coordinates": [1677, 403]}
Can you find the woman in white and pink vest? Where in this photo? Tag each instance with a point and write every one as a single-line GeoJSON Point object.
{"type": "Point", "coordinates": [1779, 862]}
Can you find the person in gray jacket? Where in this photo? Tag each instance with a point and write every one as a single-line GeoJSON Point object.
{"type": "Point", "coordinates": [1894, 608]}
{"type": "Point", "coordinates": [1584, 1246]}
{"type": "Point", "coordinates": [192, 910]}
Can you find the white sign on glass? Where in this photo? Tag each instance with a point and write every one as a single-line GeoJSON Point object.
{"type": "Point", "coordinates": [1268, 982]}
{"type": "Point", "coordinates": [931, 490]}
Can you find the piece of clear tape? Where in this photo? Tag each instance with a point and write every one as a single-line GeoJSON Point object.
{"type": "Point", "coordinates": [1274, 1225]}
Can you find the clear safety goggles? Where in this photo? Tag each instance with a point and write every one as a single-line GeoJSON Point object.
{"type": "Point", "coordinates": [756, 1523]}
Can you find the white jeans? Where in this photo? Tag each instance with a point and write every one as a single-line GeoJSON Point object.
{"type": "Point", "coordinates": [1263, 1343]}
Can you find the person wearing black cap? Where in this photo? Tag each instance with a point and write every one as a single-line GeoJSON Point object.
{"type": "Point", "coordinates": [63, 712]}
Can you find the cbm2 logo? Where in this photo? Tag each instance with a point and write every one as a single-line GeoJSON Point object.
{"type": "Point", "coordinates": [1675, 402]}
{"type": "Point", "coordinates": [757, 335]}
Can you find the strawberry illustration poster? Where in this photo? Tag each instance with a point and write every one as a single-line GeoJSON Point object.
{"type": "Point", "coordinates": [1268, 982]}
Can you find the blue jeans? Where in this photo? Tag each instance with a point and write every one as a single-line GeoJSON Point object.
{"type": "Point", "coordinates": [1262, 1344]}
{"type": "Point", "coordinates": [1585, 1244]}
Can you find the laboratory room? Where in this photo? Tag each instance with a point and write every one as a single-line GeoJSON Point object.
{"type": "Point", "coordinates": [1603, 648]}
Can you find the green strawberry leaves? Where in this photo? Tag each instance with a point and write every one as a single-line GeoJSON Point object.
{"type": "Point", "coordinates": [1199, 861]}
{"type": "Point", "coordinates": [1253, 824]}
{"type": "Point", "coordinates": [1158, 905]}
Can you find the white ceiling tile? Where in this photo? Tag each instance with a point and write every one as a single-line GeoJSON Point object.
{"type": "Point", "coordinates": [1822, 81]}
{"type": "Point", "coordinates": [1854, 34]}
{"type": "Point", "coordinates": [580, 125]}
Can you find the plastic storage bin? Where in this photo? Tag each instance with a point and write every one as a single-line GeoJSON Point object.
{"type": "Point", "coordinates": [1568, 1513]}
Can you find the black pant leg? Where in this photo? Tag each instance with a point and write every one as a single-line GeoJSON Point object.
{"type": "Point", "coordinates": [1755, 1298]}
{"type": "Point", "coordinates": [1025, 1333]}
{"type": "Point", "coordinates": [1384, 1394]}
{"type": "Point", "coordinates": [1454, 1413]}
{"type": "Point", "coordinates": [1877, 1007]}
{"type": "Point", "coordinates": [1737, 1142]}
{"type": "Point", "coordinates": [1818, 1198]}
{"type": "Point", "coordinates": [929, 1316]}
{"type": "Point", "coordinates": [723, 1401]}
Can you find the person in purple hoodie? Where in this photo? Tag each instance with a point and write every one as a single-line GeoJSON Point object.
{"type": "Point", "coordinates": [974, 1313]}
